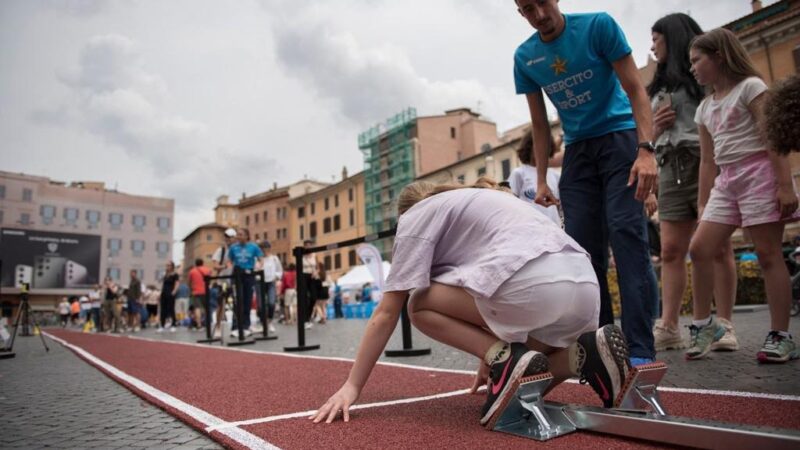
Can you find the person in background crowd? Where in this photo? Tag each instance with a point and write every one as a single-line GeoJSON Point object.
{"type": "Point", "coordinates": [95, 296]}
{"type": "Point", "coordinates": [523, 179]}
{"type": "Point", "coordinates": [169, 288]}
{"type": "Point", "coordinates": [86, 308]}
{"type": "Point", "coordinates": [308, 277]}
{"type": "Point", "coordinates": [322, 285]}
{"type": "Point", "coordinates": [337, 301]}
{"type": "Point", "coordinates": [134, 297]}
{"type": "Point", "coordinates": [273, 271]}
{"type": "Point", "coordinates": [151, 297]}
{"type": "Point", "coordinates": [63, 311]}
{"type": "Point", "coordinates": [112, 317]}
{"type": "Point", "coordinates": [753, 190]}
{"type": "Point", "coordinates": [289, 292]}
{"type": "Point", "coordinates": [366, 293]}
{"type": "Point", "coordinates": [584, 64]}
{"type": "Point", "coordinates": [75, 310]}
{"type": "Point", "coordinates": [198, 285]}
{"type": "Point", "coordinates": [223, 268]}
{"type": "Point", "coordinates": [182, 301]}
{"type": "Point", "coordinates": [244, 257]}
{"type": "Point", "coordinates": [675, 96]}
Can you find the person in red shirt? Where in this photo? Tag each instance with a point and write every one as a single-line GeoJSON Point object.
{"type": "Point", "coordinates": [289, 292]}
{"type": "Point", "coordinates": [198, 286]}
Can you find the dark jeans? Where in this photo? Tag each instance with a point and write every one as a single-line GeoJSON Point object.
{"type": "Point", "coordinates": [96, 318]}
{"type": "Point", "coordinates": [600, 208]}
{"type": "Point", "coordinates": [167, 309]}
{"type": "Point", "coordinates": [244, 299]}
{"type": "Point", "coordinates": [337, 307]}
{"type": "Point", "coordinates": [269, 298]}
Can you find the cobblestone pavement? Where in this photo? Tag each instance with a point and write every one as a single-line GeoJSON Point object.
{"type": "Point", "coordinates": [57, 400]}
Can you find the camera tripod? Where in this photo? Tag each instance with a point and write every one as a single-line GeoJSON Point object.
{"type": "Point", "coordinates": [24, 316]}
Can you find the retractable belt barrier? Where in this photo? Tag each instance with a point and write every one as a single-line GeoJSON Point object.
{"type": "Point", "coordinates": [302, 298]}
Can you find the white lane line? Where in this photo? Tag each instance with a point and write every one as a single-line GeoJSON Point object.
{"type": "Point", "coordinates": [291, 355]}
{"type": "Point", "coordinates": [352, 408]}
{"type": "Point", "coordinates": [237, 434]}
{"type": "Point", "coordinates": [744, 394]}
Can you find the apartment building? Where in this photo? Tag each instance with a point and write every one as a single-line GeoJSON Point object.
{"type": "Point", "coordinates": [132, 232]}
{"type": "Point", "coordinates": [330, 215]}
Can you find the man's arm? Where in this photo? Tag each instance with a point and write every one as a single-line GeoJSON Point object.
{"type": "Point", "coordinates": [541, 146]}
{"type": "Point", "coordinates": [644, 168]}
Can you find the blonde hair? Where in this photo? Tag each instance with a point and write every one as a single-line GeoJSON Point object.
{"type": "Point", "coordinates": [723, 44]}
{"type": "Point", "coordinates": [420, 190]}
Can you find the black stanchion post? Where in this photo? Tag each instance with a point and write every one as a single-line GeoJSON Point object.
{"type": "Point", "coordinates": [207, 303]}
{"type": "Point", "coordinates": [238, 281]}
{"type": "Point", "coordinates": [264, 304]}
{"type": "Point", "coordinates": [408, 346]}
{"type": "Point", "coordinates": [301, 305]}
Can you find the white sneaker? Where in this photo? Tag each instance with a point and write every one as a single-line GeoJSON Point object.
{"type": "Point", "coordinates": [235, 333]}
{"type": "Point", "coordinates": [667, 338]}
{"type": "Point", "coordinates": [728, 342]}
{"type": "Point", "coordinates": [137, 329]}
{"type": "Point", "coordinates": [248, 333]}
{"type": "Point", "coordinates": [160, 330]}
{"type": "Point", "coordinates": [271, 329]}
{"type": "Point", "coordinates": [171, 329]}
{"type": "Point", "coordinates": [308, 325]}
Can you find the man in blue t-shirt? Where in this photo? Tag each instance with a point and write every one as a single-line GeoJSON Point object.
{"type": "Point", "coordinates": [583, 63]}
{"type": "Point", "coordinates": [244, 256]}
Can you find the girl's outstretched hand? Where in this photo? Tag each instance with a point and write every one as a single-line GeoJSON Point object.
{"type": "Point", "coordinates": [339, 402]}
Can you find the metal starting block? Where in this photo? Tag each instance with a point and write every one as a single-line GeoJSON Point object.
{"type": "Point", "coordinates": [523, 412]}
{"type": "Point", "coordinates": [638, 414]}
{"type": "Point", "coordinates": [640, 391]}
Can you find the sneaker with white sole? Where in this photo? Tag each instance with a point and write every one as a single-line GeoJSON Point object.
{"type": "Point", "coordinates": [702, 338]}
{"type": "Point", "coordinates": [667, 338]}
{"type": "Point", "coordinates": [521, 362]}
{"type": "Point", "coordinates": [271, 329]}
{"type": "Point", "coordinates": [728, 341]}
{"type": "Point", "coordinates": [605, 363]}
{"type": "Point", "coordinates": [777, 349]}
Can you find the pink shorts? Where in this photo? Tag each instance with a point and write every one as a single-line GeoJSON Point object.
{"type": "Point", "coordinates": [745, 194]}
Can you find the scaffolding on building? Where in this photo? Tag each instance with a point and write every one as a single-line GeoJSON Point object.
{"type": "Point", "coordinates": [388, 150]}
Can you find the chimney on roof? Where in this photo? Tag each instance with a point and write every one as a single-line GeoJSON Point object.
{"type": "Point", "coordinates": [756, 4]}
{"type": "Point", "coordinates": [244, 196]}
{"type": "Point", "coordinates": [274, 185]}
{"type": "Point", "coordinates": [344, 173]}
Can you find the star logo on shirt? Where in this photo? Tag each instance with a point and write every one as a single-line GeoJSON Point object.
{"type": "Point", "coordinates": [559, 66]}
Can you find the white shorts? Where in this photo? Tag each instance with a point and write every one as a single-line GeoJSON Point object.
{"type": "Point", "coordinates": [553, 299]}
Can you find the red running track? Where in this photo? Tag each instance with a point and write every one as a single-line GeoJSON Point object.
{"type": "Point", "coordinates": [213, 389]}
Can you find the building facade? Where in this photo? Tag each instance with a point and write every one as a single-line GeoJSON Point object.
{"type": "Point", "coordinates": [330, 215]}
{"type": "Point", "coordinates": [266, 214]}
{"type": "Point", "coordinates": [405, 147]}
{"type": "Point", "coordinates": [226, 213]}
{"type": "Point", "coordinates": [135, 231]}
{"type": "Point", "coordinates": [201, 243]}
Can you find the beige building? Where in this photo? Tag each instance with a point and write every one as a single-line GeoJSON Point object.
{"type": "Point", "coordinates": [266, 214]}
{"type": "Point", "coordinates": [226, 213]}
{"type": "Point", "coordinates": [497, 163]}
{"type": "Point", "coordinates": [202, 242]}
{"type": "Point", "coordinates": [329, 215]}
{"type": "Point", "coordinates": [135, 231]}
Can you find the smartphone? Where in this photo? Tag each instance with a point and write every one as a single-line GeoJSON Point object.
{"type": "Point", "coordinates": [662, 99]}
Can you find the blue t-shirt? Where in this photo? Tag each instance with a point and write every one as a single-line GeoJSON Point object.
{"type": "Point", "coordinates": [244, 256]}
{"type": "Point", "coordinates": [575, 72]}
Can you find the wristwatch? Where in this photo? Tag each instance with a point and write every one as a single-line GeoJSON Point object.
{"type": "Point", "coordinates": [647, 145]}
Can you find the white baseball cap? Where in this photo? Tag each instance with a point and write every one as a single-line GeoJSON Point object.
{"type": "Point", "coordinates": [230, 232]}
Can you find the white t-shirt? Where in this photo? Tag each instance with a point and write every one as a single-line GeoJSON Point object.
{"type": "Point", "coordinates": [221, 257]}
{"type": "Point", "coordinates": [733, 128]}
{"type": "Point", "coordinates": [523, 182]}
{"type": "Point", "coordinates": [470, 238]}
{"type": "Point", "coordinates": [94, 298]}
{"type": "Point", "coordinates": [273, 270]}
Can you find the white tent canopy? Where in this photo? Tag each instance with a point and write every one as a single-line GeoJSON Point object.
{"type": "Point", "coordinates": [359, 275]}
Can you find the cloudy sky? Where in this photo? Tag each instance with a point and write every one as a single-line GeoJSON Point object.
{"type": "Point", "coordinates": [191, 99]}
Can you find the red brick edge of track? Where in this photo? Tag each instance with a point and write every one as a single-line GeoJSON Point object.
{"type": "Point", "coordinates": [238, 386]}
